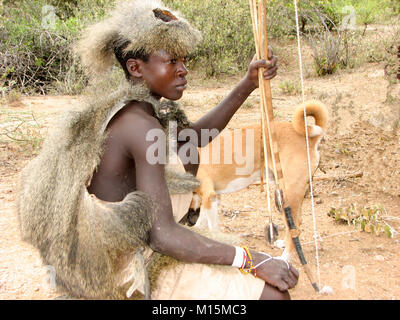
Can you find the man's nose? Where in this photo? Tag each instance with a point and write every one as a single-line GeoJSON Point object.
{"type": "Point", "coordinates": [182, 70]}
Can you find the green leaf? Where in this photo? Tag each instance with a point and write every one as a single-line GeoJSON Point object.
{"type": "Point", "coordinates": [39, 62]}
{"type": "Point", "coordinates": [389, 231]}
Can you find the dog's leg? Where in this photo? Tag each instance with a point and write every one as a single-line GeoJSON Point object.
{"type": "Point", "coordinates": [196, 202]}
{"type": "Point", "coordinates": [295, 200]}
{"type": "Point", "coordinates": [208, 216]}
{"type": "Point", "coordinates": [297, 183]}
{"type": "Point", "coordinates": [202, 219]}
{"type": "Point", "coordinates": [212, 214]}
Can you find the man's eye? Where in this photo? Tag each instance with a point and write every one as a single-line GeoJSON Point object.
{"type": "Point", "coordinates": [173, 61]}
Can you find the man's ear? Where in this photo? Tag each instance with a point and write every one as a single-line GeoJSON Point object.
{"type": "Point", "coordinates": [134, 67]}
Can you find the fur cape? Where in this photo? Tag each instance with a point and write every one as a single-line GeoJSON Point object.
{"type": "Point", "coordinates": [79, 235]}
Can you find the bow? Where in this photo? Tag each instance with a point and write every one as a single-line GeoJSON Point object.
{"type": "Point", "coordinates": [259, 21]}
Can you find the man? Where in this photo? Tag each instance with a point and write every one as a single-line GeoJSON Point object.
{"type": "Point", "coordinates": [151, 43]}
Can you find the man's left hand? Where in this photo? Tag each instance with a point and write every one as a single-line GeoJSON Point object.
{"type": "Point", "coordinates": [269, 68]}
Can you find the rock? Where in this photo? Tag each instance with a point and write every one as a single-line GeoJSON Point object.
{"type": "Point", "coordinates": [379, 258]}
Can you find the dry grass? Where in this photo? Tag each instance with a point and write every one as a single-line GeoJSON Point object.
{"type": "Point", "coordinates": [20, 130]}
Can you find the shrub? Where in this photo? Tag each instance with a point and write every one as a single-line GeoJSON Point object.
{"type": "Point", "coordinates": [37, 59]}
{"type": "Point", "coordinates": [228, 43]}
{"type": "Point", "coordinates": [290, 88]}
{"type": "Point", "coordinates": [35, 53]}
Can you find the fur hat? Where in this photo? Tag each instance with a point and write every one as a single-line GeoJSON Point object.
{"type": "Point", "coordinates": [136, 25]}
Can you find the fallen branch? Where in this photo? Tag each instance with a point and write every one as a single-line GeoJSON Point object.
{"type": "Point", "coordinates": [343, 177]}
{"type": "Point", "coordinates": [322, 178]}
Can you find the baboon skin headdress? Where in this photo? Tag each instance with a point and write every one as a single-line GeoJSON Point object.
{"type": "Point", "coordinates": [144, 26]}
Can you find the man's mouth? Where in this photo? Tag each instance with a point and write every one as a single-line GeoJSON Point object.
{"type": "Point", "coordinates": [182, 86]}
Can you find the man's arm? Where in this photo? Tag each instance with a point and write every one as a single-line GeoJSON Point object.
{"type": "Point", "coordinates": [172, 239]}
{"type": "Point", "coordinates": [219, 116]}
{"type": "Point", "coordinates": [166, 235]}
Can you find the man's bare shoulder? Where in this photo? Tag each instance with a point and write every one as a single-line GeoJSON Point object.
{"type": "Point", "coordinates": [137, 112]}
{"type": "Point", "coordinates": [132, 124]}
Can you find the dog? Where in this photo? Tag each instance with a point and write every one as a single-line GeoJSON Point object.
{"type": "Point", "coordinates": [245, 160]}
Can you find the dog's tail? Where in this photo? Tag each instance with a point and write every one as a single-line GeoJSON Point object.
{"type": "Point", "coordinates": [315, 109]}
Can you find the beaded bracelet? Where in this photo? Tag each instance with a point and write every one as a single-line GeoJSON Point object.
{"type": "Point", "coordinates": [249, 260]}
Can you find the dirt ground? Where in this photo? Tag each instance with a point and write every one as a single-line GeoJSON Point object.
{"type": "Point", "coordinates": [360, 139]}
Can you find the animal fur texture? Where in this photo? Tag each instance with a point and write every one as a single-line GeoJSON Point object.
{"type": "Point", "coordinates": [82, 237]}
{"type": "Point", "coordinates": [87, 240]}
{"type": "Point", "coordinates": [135, 21]}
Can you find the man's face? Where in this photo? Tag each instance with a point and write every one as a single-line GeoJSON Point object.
{"type": "Point", "coordinates": [165, 75]}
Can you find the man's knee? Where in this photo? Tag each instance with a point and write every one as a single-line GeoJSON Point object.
{"type": "Point", "coordinates": [272, 293]}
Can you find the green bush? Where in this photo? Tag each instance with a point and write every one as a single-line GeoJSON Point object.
{"type": "Point", "coordinates": [37, 59]}
{"type": "Point", "coordinates": [228, 43]}
{"type": "Point", "coordinates": [35, 45]}
{"type": "Point", "coordinates": [335, 43]}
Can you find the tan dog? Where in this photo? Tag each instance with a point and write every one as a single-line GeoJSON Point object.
{"type": "Point", "coordinates": [235, 158]}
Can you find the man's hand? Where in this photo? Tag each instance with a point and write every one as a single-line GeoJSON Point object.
{"type": "Point", "coordinates": [276, 272]}
{"type": "Point", "coordinates": [269, 66]}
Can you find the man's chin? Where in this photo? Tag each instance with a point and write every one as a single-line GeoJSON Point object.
{"type": "Point", "coordinates": [175, 97]}
{"type": "Point", "coordinates": [170, 96]}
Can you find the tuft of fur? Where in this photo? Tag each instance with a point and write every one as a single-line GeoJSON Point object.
{"type": "Point", "coordinates": [171, 111]}
{"type": "Point", "coordinates": [315, 109]}
{"type": "Point", "coordinates": [180, 182]}
{"type": "Point", "coordinates": [82, 237]}
{"type": "Point", "coordinates": [134, 21]}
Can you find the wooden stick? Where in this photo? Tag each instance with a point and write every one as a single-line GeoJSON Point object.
{"type": "Point", "coordinates": [256, 32]}
{"type": "Point", "coordinates": [254, 21]}
{"type": "Point", "coordinates": [343, 177]}
{"type": "Point", "coordinates": [265, 87]}
{"type": "Point", "coordinates": [266, 102]}
{"type": "Point", "coordinates": [324, 178]}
